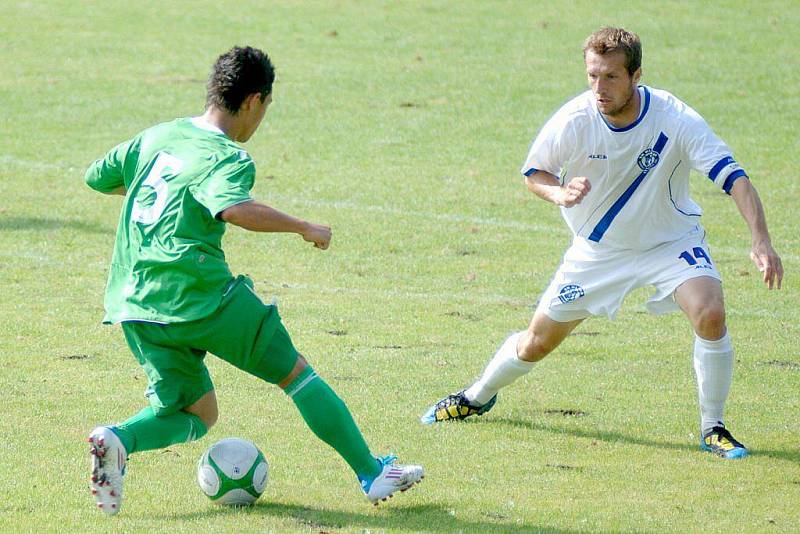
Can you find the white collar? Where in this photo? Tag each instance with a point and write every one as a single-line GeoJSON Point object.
{"type": "Point", "coordinates": [202, 123]}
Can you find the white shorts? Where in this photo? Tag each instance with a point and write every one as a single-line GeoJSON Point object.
{"type": "Point", "coordinates": [594, 281]}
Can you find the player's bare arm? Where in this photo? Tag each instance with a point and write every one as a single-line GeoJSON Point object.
{"type": "Point", "coordinates": [762, 253]}
{"type": "Point", "coordinates": [548, 187]}
{"type": "Point", "coordinates": [259, 217]}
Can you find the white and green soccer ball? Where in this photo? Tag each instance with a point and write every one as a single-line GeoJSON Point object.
{"type": "Point", "coordinates": [233, 472]}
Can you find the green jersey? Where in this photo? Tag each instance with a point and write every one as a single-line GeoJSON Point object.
{"type": "Point", "coordinates": [168, 265]}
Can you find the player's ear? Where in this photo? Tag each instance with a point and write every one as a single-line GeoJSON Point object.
{"type": "Point", "coordinates": [637, 75]}
{"type": "Point", "coordinates": [251, 101]}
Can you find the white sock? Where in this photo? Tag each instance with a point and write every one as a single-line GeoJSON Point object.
{"type": "Point", "coordinates": [713, 365]}
{"type": "Point", "coordinates": [503, 369]}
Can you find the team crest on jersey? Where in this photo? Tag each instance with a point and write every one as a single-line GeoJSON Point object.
{"type": "Point", "coordinates": [570, 292]}
{"type": "Point", "coordinates": [648, 159]}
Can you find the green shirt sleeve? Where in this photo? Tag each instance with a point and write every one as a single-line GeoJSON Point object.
{"type": "Point", "coordinates": [116, 169]}
{"type": "Point", "coordinates": [228, 183]}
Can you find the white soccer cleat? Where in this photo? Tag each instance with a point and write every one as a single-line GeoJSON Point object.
{"type": "Point", "coordinates": [393, 478]}
{"type": "Point", "coordinates": [108, 467]}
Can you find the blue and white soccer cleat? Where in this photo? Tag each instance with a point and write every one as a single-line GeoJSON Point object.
{"type": "Point", "coordinates": [455, 407]}
{"type": "Point", "coordinates": [108, 467]}
{"type": "Point", "coordinates": [392, 478]}
{"type": "Point", "coordinates": [720, 442]}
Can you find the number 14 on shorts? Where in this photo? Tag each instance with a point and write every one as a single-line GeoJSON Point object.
{"type": "Point", "coordinates": [693, 258]}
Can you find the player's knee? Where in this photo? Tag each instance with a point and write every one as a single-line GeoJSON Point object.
{"type": "Point", "coordinates": [210, 416]}
{"type": "Point", "coordinates": [710, 321]}
{"type": "Point", "coordinates": [206, 409]}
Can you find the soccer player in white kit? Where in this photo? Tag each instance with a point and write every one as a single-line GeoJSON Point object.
{"type": "Point", "coordinates": [616, 159]}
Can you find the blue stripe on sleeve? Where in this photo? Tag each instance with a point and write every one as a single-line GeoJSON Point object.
{"type": "Point", "coordinates": [608, 218]}
{"type": "Point", "coordinates": [530, 171]}
{"type": "Point", "coordinates": [732, 177]}
{"type": "Point", "coordinates": [721, 164]}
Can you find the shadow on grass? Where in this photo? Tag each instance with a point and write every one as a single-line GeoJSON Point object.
{"type": "Point", "coordinates": [788, 455]}
{"type": "Point", "coordinates": [421, 518]}
{"type": "Point", "coordinates": [47, 224]}
{"type": "Point", "coordinates": [588, 433]}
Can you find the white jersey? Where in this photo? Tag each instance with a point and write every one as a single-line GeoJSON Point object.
{"type": "Point", "coordinates": [639, 174]}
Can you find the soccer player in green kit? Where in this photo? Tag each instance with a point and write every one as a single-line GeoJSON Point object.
{"type": "Point", "coordinates": [173, 294]}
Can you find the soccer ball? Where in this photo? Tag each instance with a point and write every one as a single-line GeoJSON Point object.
{"type": "Point", "coordinates": [233, 471]}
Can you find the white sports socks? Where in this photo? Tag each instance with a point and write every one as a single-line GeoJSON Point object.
{"type": "Point", "coordinates": [713, 365]}
{"type": "Point", "coordinates": [502, 370]}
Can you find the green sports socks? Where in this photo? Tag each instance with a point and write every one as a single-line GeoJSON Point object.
{"type": "Point", "coordinates": [328, 417]}
{"type": "Point", "coordinates": [145, 431]}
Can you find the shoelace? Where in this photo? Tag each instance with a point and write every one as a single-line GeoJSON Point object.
{"type": "Point", "coordinates": [723, 432]}
{"type": "Point", "coordinates": [366, 483]}
{"type": "Point", "coordinates": [450, 400]}
{"type": "Point", "coordinates": [388, 459]}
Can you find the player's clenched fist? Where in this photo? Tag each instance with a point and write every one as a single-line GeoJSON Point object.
{"type": "Point", "coordinates": [319, 234]}
{"type": "Point", "coordinates": [574, 191]}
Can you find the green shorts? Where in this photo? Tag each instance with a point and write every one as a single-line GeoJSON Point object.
{"type": "Point", "coordinates": [243, 331]}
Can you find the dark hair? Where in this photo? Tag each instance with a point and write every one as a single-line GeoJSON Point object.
{"type": "Point", "coordinates": [237, 73]}
{"type": "Point", "coordinates": [609, 39]}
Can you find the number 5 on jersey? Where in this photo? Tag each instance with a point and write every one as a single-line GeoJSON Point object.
{"type": "Point", "coordinates": [164, 166]}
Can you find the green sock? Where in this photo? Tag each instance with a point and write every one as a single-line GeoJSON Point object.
{"type": "Point", "coordinates": [328, 417]}
{"type": "Point", "coordinates": [145, 431]}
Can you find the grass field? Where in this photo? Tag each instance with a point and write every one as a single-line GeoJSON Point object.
{"type": "Point", "coordinates": [402, 124]}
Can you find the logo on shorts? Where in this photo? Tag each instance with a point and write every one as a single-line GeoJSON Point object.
{"type": "Point", "coordinates": [648, 159]}
{"type": "Point", "coordinates": [570, 292]}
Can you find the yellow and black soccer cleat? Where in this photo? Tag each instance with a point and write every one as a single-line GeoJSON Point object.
{"type": "Point", "coordinates": [720, 442]}
{"type": "Point", "coordinates": [455, 407]}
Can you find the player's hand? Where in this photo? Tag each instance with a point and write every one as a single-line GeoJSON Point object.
{"type": "Point", "coordinates": [573, 191]}
{"type": "Point", "coordinates": [768, 262]}
{"type": "Point", "coordinates": [319, 234]}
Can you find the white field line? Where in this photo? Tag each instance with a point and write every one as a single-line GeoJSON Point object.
{"type": "Point", "coordinates": [345, 204]}
{"type": "Point", "coordinates": [20, 259]}
{"type": "Point", "coordinates": [6, 159]}
{"type": "Point", "coordinates": [743, 252]}
{"type": "Point", "coordinates": [426, 215]}
{"type": "Point", "coordinates": [409, 295]}
{"type": "Point", "coordinates": [559, 230]}
{"type": "Point", "coordinates": [480, 299]}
